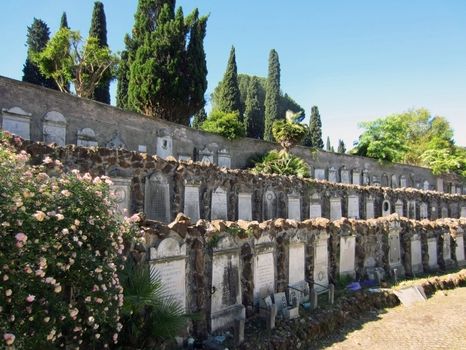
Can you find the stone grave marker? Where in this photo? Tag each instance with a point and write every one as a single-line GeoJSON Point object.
{"type": "Point", "coordinates": [184, 157]}
{"type": "Point", "coordinates": [439, 184]}
{"type": "Point", "coordinates": [423, 211]}
{"type": "Point", "coordinates": [264, 268]}
{"type": "Point", "coordinates": [206, 156]}
{"type": "Point", "coordinates": [394, 181]}
{"type": "Point", "coordinates": [356, 177]}
{"type": "Point", "coordinates": [432, 250]}
{"type": "Point", "coordinates": [386, 208]}
{"type": "Point", "coordinates": [347, 255]}
{"type": "Point", "coordinates": [294, 207]}
{"type": "Point", "coordinates": [281, 302]}
{"type": "Point", "coordinates": [335, 208]}
{"type": "Point", "coordinates": [86, 138]}
{"type": "Point", "coordinates": [142, 148]}
{"type": "Point", "coordinates": [345, 176]}
{"type": "Point", "coordinates": [444, 212]}
{"type": "Point", "coordinates": [244, 206]}
{"type": "Point", "coordinates": [164, 146]}
{"type": "Point", "coordinates": [191, 202]}
{"type": "Point", "coordinates": [54, 128]}
{"type": "Point", "coordinates": [157, 198]}
{"type": "Point", "coordinates": [332, 174]}
{"type": "Point", "coordinates": [219, 208]}
{"type": "Point", "coordinates": [403, 181]}
{"type": "Point", "coordinates": [459, 190]}
{"type": "Point", "coordinates": [399, 207]}
{"type": "Point", "coordinates": [416, 253]}
{"type": "Point", "coordinates": [121, 190]}
{"type": "Point", "coordinates": [168, 261]}
{"type": "Point", "coordinates": [412, 209]}
{"type": "Point", "coordinates": [394, 256]}
{"type": "Point", "coordinates": [365, 177]}
{"type": "Point", "coordinates": [459, 249]}
{"type": "Point", "coordinates": [370, 207]}
{"type": "Point", "coordinates": [116, 142]}
{"type": "Point", "coordinates": [319, 174]}
{"type": "Point", "coordinates": [17, 121]}
{"type": "Point", "coordinates": [224, 158]}
{"type": "Point", "coordinates": [353, 206]}
{"type": "Point", "coordinates": [463, 212]}
{"type": "Point", "coordinates": [446, 247]}
{"type": "Point", "coordinates": [321, 262]}
{"type": "Point", "coordinates": [426, 185]}
{"type": "Point", "coordinates": [296, 271]}
{"type": "Point", "coordinates": [270, 205]}
{"type": "Point", "coordinates": [315, 208]}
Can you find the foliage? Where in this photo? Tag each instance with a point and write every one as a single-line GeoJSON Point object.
{"type": "Point", "coordinates": [341, 147]}
{"type": "Point", "coordinates": [60, 253]}
{"type": "Point", "coordinates": [253, 116]}
{"type": "Point", "coordinates": [99, 30]}
{"type": "Point", "coordinates": [272, 96]}
{"type": "Point", "coordinates": [328, 146]}
{"type": "Point", "coordinates": [66, 58]}
{"type": "Point", "coordinates": [199, 118]}
{"type": "Point", "coordinates": [314, 136]}
{"type": "Point", "coordinates": [225, 124]}
{"type": "Point", "coordinates": [281, 163]}
{"type": "Point", "coordinates": [229, 95]}
{"type": "Point", "coordinates": [64, 21]}
{"type": "Point", "coordinates": [149, 315]}
{"type": "Point", "coordinates": [288, 133]}
{"type": "Point", "coordinates": [288, 104]}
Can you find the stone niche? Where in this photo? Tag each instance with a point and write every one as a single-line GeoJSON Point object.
{"type": "Point", "coordinates": [168, 263]}
{"type": "Point", "coordinates": [319, 174]}
{"type": "Point", "coordinates": [356, 177]}
{"type": "Point", "coordinates": [315, 208]}
{"type": "Point", "coordinates": [432, 251]}
{"type": "Point", "coordinates": [370, 207]}
{"type": "Point", "coordinates": [121, 191]}
{"type": "Point", "coordinates": [416, 254]}
{"type": "Point", "coordinates": [244, 206]}
{"type": "Point", "coordinates": [224, 158]}
{"type": "Point", "coordinates": [157, 198]}
{"type": "Point", "coordinates": [264, 268]}
{"type": "Point", "coordinates": [225, 305]}
{"type": "Point", "coordinates": [206, 156]}
{"type": "Point", "coordinates": [399, 207]}
{"type": "Point", "coordinates": [269, 205]}
{"type": "Point", "coordinates": [54, 128]}
{"type": "Point", "coordinates": [335, 208]}
{"type": "Point", "coordinates": [353, 206]}
{"type": "Point", "coordinates": [294, 206]}
{"type": "Point", "coordinates": [394, 253]}
{"type": "Point", "coordinates": [386, 208]}
{"type": "Point", "coordinates": [296, 270]}
{"type": "Point", "coordinates": [347, 255]}
{"type": "Point", "coordinates": [321, 261]}
{"type": "Point", "coordinates": [459, 249]}
{"type": "Point", "coordinates": [191, 202]}
{"type": "Point", "coordinates": [344, 176]}
{"type": "Point", "coordinates": [218, 207]}
{"type": "Point", "coordinates": [86, 138]}
{"type": "Point", "coordinates": [17, 121]}
{"type": "Point", "coordinates": [332, 174]}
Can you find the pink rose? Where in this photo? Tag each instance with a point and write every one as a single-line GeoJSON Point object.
{"type": "Point", "coordinates": [30, 298]}
{"type": "Point", "coordinates": [9, 338]}
{"type": "Point", "coordinates": [21, 237]}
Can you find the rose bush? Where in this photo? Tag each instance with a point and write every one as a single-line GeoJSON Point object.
{"type": "Point", "coordinates": [61, 247]}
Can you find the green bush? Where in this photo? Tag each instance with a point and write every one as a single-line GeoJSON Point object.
{"type": "Point", "coordinates": [288, 133]}
{"type": "Point", "coordinates": [225, 124]}
{"type": "Point", "coordinates": [281, 163]}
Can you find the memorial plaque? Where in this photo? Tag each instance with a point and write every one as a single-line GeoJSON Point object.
{"type": "Point", "coordinates": [17, 121]}
{"type": "Point", "coordinates": [416, 254]}
{"type": "Point", "coordinates": [296, 263]}
{"type": "Point", "coordinates": [459, 249]}
{"type": "Point", "coordinates": [270, 205]}
{"type": "Point", "coordinates": [116, 142]}
{"type": "Point", "coordinates": [386, 208]}
{"type": "Point", "coordinates": [365, 177]}
{"type": "Point", "coordinates": [394, 256]}
{"type": "Point", "coordinates": [218, 208]}
{"type": "Point", "coordinates": [121, 191]}
{"type": "Point", "coordinates": [294, 208]}
{"type": "Point", "coordinates": [184, 157]}
{"type": "Point", "coordinates": [344, 176]}
{"type": "Point", "coordinates": [353, 207]}
{"type": "Point", "coordinates": [315, 211]}
{"type": "Point", "coordinates": [244, 206]}
{"type": "Point", "coordinates": [426, 185]}
{"type": "Point", "coordinates": [191, 202]}
{"type": "Point", "coordinates": [370, 208]}
{"type": "Point", "coordinates": [321, 263]}
{"type": "Point", "coordinates": [356, 177]}
{"type": "Point", "coordinates": [432, 250]}
{"type": "Point", "coordinates": [157, 198]}
{"type": "Point", "coordinates": [446, 247]}
{"type": "Point", "coordinates": [319, 174]}
{"type": "Point", "coordinates": [164, 146]}
{"type": "Point", "coordinates": [335, 208]}
{"type": "Point", "coordinates": [440, 185]}
{"type": "Point", "coordinates": [54, 128]}
{"type": "Point", "coordinates": [264, 275]}
{"type": "Point", "coordinates": [463, 212]}
{"type": "Point", "coordinates": [142, 148]}
{"type": "Point", "coordinates": [332, 175]}
{"type": "Point", "coordinates": [224, 159]}
{"type": "Point", "coordinates": [86, 138]}
{"type": "Point", "coordinates": [399, 207]}
{"type": "Point", "coordinates": [423, 211]}
{"type": "Point", "coordinates": [347, 255]}
{"type": "Point", "coordinates": [403, 181]}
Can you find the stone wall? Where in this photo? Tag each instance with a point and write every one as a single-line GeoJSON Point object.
{"type": "Point", "coordinates": [41, 114]}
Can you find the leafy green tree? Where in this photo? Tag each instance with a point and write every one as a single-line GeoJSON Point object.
{"type": "Point", "coordinates": [224, 124]}
{"type": "Point", "coordinates": [37, 38]}
{"type": "Point", "coordinates": [315, 129]}
{"type": "Point", "coordinates": [229, 94]}
{"type": "Point", "coordinates": [64, 21]}
{"type": "Point", "coordinates": [341, 147]}
{"type": "Point", "coordinates": [66, 58]}
{"type": "Point", "coordinates": [253, 116]}
{"type": "Point", "coordinates": [199, 118]}
{"type": "Point", "coordinates": [272, 96]}
{"type": "Point", "coordinates": [99, 30]}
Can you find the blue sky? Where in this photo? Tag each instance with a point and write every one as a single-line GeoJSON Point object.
{"type": "Point", "coordinates": [357, 60]}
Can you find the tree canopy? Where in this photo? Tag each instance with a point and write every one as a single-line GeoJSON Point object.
{"type": "Point", "coordinates": [272, 96]}
{"type": "Point", "coordinates": [228, 99]}
{"type": "Point", "coordinates": [225, 124]}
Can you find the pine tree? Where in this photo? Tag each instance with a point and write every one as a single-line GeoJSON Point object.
{"type": "Point", "coordinates": [328, 147]}
{"type": "Point", "coordinates": [315, 129]}
{"type": "Point", "coordinates": [272, 96]}
{"type": "Point", "coordinates": [64, 21]}
{"type": "Point", "coordinates": [341, 147]}
{"type": "Point", "coordinates": [99, 31]}
{"type": "Point", "coordinates": [37, 37]}
{"type": "Point", "coordinates": [253, 116]}
{"type": "Point", "coordinates": [199, 118]}
{"type": "Point", "coordinates": [229, 95]}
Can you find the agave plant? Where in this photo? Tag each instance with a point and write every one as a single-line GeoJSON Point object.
{"type": "Point", "coordinates": [281, 163]}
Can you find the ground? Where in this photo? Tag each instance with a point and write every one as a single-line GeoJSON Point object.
{"type": "Point", "coordinates": [438, 323]}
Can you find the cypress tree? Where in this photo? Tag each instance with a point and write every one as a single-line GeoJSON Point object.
{"type": "Point", "coordinates": [99, 30]}
{"type": "Point", "coordinates": [199, 118]}
{"type": "Point", "coordinates": [37, 37]}
{"type": "Point", "coordinates": [328, 147]}
{"type": "Point", "coordinates": [272, 95]}
{"type": "Point", "coordinates": [64, 21]}
{"type": "Point", "coordinates": [253, 116]}
{"type": "Point", "coordinates": [341, 147]}
{"type": "Point", "coordinates": [315, 129]}
{"type": "Point", "coordinates": [229, 95]}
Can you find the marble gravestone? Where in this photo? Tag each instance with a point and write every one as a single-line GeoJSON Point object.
{"type": "Point", "coordinates": [157, 198]}
{"type": "Point", "coordinates": [370, 207]}
{"type": "Point", "coordinates": [184, 157]}
{"type": "Point", "coordinates": [168, 262]}
{"type": "Point", "coordinates": [394, 181]}
{"type": "Point", "coordinates": [294, 207]}
{"type": "Point", "coordinates": [444, 212]}
{"type": "Point", "coordinates": [353, 206]}
{"type": "Point", "coordinates": [335, 208]}
{"type": "Point", "coordinates": [356, 177]}
{"type": "Point", "coordinates": [463, 212]}
{"type": "Point", "coordinates": [399, 207]}
{"type": "Point", "coordinates": [332, 174]}
{"type": "Point", "coordinates": [206, 156]}
{"type": "Point", "coordinates": [459, 249]}
{"type": "Point", "coordinates": [439, 184]}
{"type": "Point", "coordinates": [347, 255]}
{"type": "Point", "coordinates": [416, 253]}
{"type": "Point", "coordinates": [116, 142]}
{"type": "Point", "coordinates": [17, 121]}
{"type": "Point", "coordinates": [296, 270]}
{"type": "Point", "coordinates": [121, 191]}
{"type": "Point", "coordinates": [446, 247]}
{"type": "Point", "coordinates": [218, 207]}
{"type": "Point", "coordinates": [365, 177]}
{"type": "Point", "coordinates": [432, 251]}
{"type": "Point", "coordinates": [425, 185]}
{"type": "Point", "coordinates": [54, 128]}
{"type": "Point", "coordinates": [344, 176]}
{"type": "Point", "coordinates": [423, 211]}
{"type": "Point", "coordinates": [226, 306]}
{"type": "Point", "coordinates": [412, 209]}
{"type": "Point", "coordinates": [224, 159]}
{"type": "Point", "coordinates": [319, 174]}
{"type": "Point", "coordinates": [264, 268]}
{"type": "Point", "coordinates": [269, 205]}
{"type": "Point", "coordinates": [315, 208]}
{"type": "Point", "coordinates": [321, 262]}
{"type": "Point", "coordinates": [164, 146]}
{"type": "Point", "coordinates": [86, 138]}
{"type": "Point", "coordinates": [142, 148]}
{"type": "Point", "coordinates": [403, 181]}
{"type": "Point", "coordinates": [244, 206]}
{"type": "Point", "coordinates": [394, 255]}
{"type": "Point", "coordinates": [386, 208]}
{"type": "Point", "coordinates": [191, 202]}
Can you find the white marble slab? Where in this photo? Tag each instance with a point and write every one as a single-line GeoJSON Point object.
{"type": "Point", "coordinates": [321, 263]}
{"type": "Point", "coordinates": [219, 207]}
{"type": "Point", "coordinates": [294, 208]}
{"type": "Point", "coordinates": [296, 263]}
{"type": "Point", "coordinates": [244, 206]}
{"type": "Point", "coordinates": [416, 254]}
{"type": "Point", "coordinates": [335, 208]}
{"type": "Point", "coordinates": [432, 250]}
{"type": "Point", "coordinates": [191, 202]}
{"type": "Point", "coordinates": [347, 255]}
{"type": "Point", "coordinates": [353, 207]}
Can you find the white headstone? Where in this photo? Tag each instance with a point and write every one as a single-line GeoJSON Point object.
{"type": "Point", "coordinates": [416, 253]}
{"type": "Point", "coordinates": [423, 211]}
{"type": "Point", "coordinates": [164, 146]}
{"type": "Point", "coordinates": [315, 209]}
{"type": "Point", "coordinates": [264, 269]}
{"type": "Point", "coordinates": [394, 256]}
{"type": "Point", "coordinates": [353, 206]}
{"type": "Point", "coordinates": [394, 181]}
{"type": "Point", "coordinates": [296, 263]}
{"type": "Point", "coordinates": [142, 148]}
{"type": "Point", "coordinates": [403, 181]}
{"type": "Point", "coordinates": [319, 174]}
{"type": "Point", "coordinates": [321, 262]}
{"type": "Point", "coordinates": [344, 176]}
{"type": "Point", "coordinates": [399, 207]}
{"type": "Point", "coordinates": [224, 159]}
{"type": "Point", "coordinates": [168, 262]}
{"type": "Point", "coordinates": [386, 208]}
{"type": "Point", "coordinates": [116, 142]}
{"type": "Point", "coordinates": [412, 209]}
{"type": "Point", "coordinates": [206, 156]}
{"type": "Point", "coordinates": [244, 206]}
{"type": "Point", "coordinates": [219, 208]}
{"type": "Point", "coordinates": [459, 190]}
{"type": "Point", "coordinates": [365, 177]}
{"type": "Point", "coordinates": [347, 255]}
{"type": "Point", "coordinates": [446, 247]}
{"type": "Point", "coordinates": [332, 175]}
{"type": "Point", "coordinates": [463, 212]}
{"type": "Point", "coordinates": [191, 202]}
{"type": "Point", "coordinates": [426, 185]}
{"type": "Point", "coordinates": [439, 185]}
{"type": "Point", "coordinates": [86, 138]}
{"type": "Point", "coordinates": [270, 205]}
{"type": "Point", "coordinates": [17, 121]}
{"type": "Point", "coordinates": [184, 157]}
{"type": "Point", "coordinates": [157, 198]}
{"type": "Point", "coordinates": [335, 208]}
{"type": "Point", "coordinates": [294, 207]}
{"type": "Point", "coordinates": [121, 191]}
{"type": "Point", "coordinates": [370, 208]}
{"type": "Point", "coordinates": [444, 212]}
{"type": "Point", "coordinates": [432, 250]}
{"type": "Point", "coordinates": [356, 177]}
{"type": "Point", "coordinates": [54, 128]}
{"type": "Point", "coordinates": [459, 249]}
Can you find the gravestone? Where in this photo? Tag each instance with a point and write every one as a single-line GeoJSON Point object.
{"type": "Point", "coordinates": [226, 298]}
{"type": "Point", "coordinates": [394, 256]}
{"type": "Point", "coordinates": [191, 202]}
{"type": "Point", "coordinates": [454, 210]}
{"type": "Point", "coordinates": [426, 185]}
{"type": "Point", "coordinates": [168, 262]}
{"type": "Point", "coordinates": [218, 208]}
{"type": "Point", "coordinates": [315, 208]}
{"type": "Point", "coordinates": [446, 248]}
{"type": "Point", "coordinates": [157, 204]}
{"type": "Point", "coordinates": [453, 189]}
{"type": "Point", "coordinates": [344, 176]}
{"type": "Point", "coordinates": [164, 146]}
{"type": "Point", "coordinates": [54, 128]}
{"type": "Point", "coordinates": [332, 174]}
{"type": "Point", "coordinates": [335, 208]}
{"type": "Point", "coordinates": [17, 121]}
{"type": "Point", "coordinates": [294, 207]}
{"type": "Point", "coordinates": [399, 207]}
{"type": "Point", "coordinates": [386, 208]}
{"type": "Point", "coordinates": [459, 190]}
{"type": "Point", "coordinates": [296, 272]}
{"type": "Point", "coordinates": [459, 249]}
{"type": "Point", "coordinates": [416, 254]}
{"type": "Point", "coordinates": [347, 255]}
{"type": "Point", "coordinates": [353, 206]}
{"type": "Point", "coordinates": [264, 268]}
{"type": "Point", "coordinates": [86, 138]}
{"type": "Point", "coordinates": [244, 206]}
{"type": "Point", "coordinates": [365, 177]}
{"type": "Point", "coordinates": [121, 191]}
{"type": "Point", "coordinates": [206, 156]}
{"type": "Point", "coordinates": [356, 177]}
{"type": "Point", "coordinates": [394, 181]}
{"type": "Point", "coordinates": [270, 205]}
{"type": "Point", "coordinates": [142, 148]}
{"type": "Point", "coordinates": [403, 181]}
{"type": "Point", "coordinates": [432, 250]}
{"type": "Point", "coordinates": [321, 262]}
{"type": "Point", "coordinates": [463, 212]}
{"type": "Point", "coordinates": [384, 180]}
{"type": "Point", "coordinates": [319, 174]}
{"type": "Point", "coordinates": [116, 142]}
{"type": "Point", "coordinates": [412, 209]}
{"type": "Point", "coordinates": [184, 157]}
{"type": "Point", "coordinates": [370, 207]}
{"type": "Point", "coordinates": [423, 211]}
{"type": "Point", "coordinates": [439, 185]}
{"type": "Point", "coordinates": [444, 212]}
{"type": "Point", "coordinates": [224, 158]}
{"type": "Point", "coordinates": [375, 180]}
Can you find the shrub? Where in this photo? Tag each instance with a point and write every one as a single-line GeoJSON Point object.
{"type": "Point", "coordinates": [225, 124]}
{"type": "Point", "coordinates": [281, 163]}
{"type": "Point", "coordinates": [60, 253]}
{"type": "Point", "coordinates": [288, 133]}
